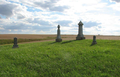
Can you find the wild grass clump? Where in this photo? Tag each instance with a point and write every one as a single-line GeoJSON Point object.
{"type": "Point", "coordinates": [64, 59]}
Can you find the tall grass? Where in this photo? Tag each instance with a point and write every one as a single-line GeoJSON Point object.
{"type": "Point", "coordinates": [64, 59]}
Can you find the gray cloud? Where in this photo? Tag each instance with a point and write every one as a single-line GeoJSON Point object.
{"type": "Point", "coordinates": [38, 21]}
{"type": "Point", "coordinates": [64, 22]}
{"type": "Point", "coordinates": [90, 24]}
{"type": "Point", "coordinates": [58, 8]}
{"type": "Point", "coordinates": [19, 16]}
{"type": "Point", "coordinates": [43, 28]}
{"type": "Point", "coordinates": [17, 26]}
{"type": "Point", "coordinates": [7, 9]}
{"type": "Point", "coordinates": [116, 0]}
{"type": "Point", "coordinates": [51, 5]}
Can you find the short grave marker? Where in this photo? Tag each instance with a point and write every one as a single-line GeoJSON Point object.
{"type": "Point", "coordinates": [15, 43]}
{"type": "Point", "coordinates": [94, 40]}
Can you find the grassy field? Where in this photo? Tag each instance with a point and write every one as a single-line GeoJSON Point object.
{"type": "Point", "coordinates": [64, 59]}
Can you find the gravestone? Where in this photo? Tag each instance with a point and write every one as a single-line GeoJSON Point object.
{"type": "Point", "coordinates": [58, 39]}
{"type": "Point", "coordinates": [15, 43]}
{"type": "Point", "coordinates": [80, 35]}
{"type": "Point", "coordinates": [94, 40]}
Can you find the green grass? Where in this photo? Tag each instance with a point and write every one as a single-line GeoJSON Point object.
{"type": "Point", "coordinates": [64, 59]}
{"type": "Point", "coordinates": [10, 41]}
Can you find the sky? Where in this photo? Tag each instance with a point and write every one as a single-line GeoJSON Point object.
{"type": "Point", "coordinates": [43, 16]}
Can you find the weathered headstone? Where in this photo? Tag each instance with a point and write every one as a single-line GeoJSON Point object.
{"type": "Point", "coordinates": [94, 40]}
{"type": "Point", "coordinates": [80, 35]}
{"type": "Point", "coordinates": [15, 43]}
{"type": "Point", "coordinates": [58, 39]}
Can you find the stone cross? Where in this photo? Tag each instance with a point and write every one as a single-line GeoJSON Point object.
{"type": "Point", "coordinates": [15, 43]}
{"type": "Point", "coordinates": [58, 39]}
{"type": "Point", "coordinates": [94, 40]}
{"type": "Point", "coordinates": [80, 35]}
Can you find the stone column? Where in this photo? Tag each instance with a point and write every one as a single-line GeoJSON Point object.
{"type": "Point", "coordinates": [94, 40]}
{"type": "Point", "coordinates": [58, 39]}
{"type": "Point", "coordinates": [15, 43]}
{"type": "Point", "coordinates": [80, 35]}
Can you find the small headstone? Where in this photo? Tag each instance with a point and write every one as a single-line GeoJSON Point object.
{"type": "Point", "coordinates": [80, 35]}
{"type": "Point", "coordinates": [58, 39]}
{"type": "Point", "coordinates": [94, 40]}
{"type": "Point", "coordinates": [15, 43]}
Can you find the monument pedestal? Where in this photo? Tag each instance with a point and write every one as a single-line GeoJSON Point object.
{"type": "Point", "coordinates": [80, 38]}
{"type": "Point", "coordinates": [15, 46]}
{"type": "Point", "coordinates": [94, 42]}
{"type": "Point", "coordinates": [58, 40]}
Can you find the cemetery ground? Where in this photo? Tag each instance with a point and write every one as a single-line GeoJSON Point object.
{"type": "Point", "coordinates": [69, 58]}
{"type": "Point", "coordinates": [27, 38]}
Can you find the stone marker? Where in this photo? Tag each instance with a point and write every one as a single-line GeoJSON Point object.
{"type": "Point", "coordinates": [94, 40]}
{"type": "Point", "coordinates": [15, 43]}
{"type": "Point", "coordinates": [58, 39]}
{"type": "Point", "coordinates": [80, 35]}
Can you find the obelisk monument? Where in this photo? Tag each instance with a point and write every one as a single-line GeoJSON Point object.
{"type": "Point", "coordinates": [58, 39]}
{"type": "Point", "coordinates": [80, 35]}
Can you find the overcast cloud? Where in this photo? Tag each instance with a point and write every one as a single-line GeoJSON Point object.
{"type": "Point", "coordinates": [43, 16]}
{"type": "Point", "coordinates": [91, 24]}
{"type": "Point", "coordinates": [7, 9]}
{"type": "Point", "coordinates": [116, 0]}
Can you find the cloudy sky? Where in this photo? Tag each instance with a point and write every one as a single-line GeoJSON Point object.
{"type": "Point", "coordinates": [43, 16]}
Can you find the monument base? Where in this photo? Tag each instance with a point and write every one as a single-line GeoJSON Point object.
{"type": "Point", "coordinates": [58, 40]}
{"type": "Point", "coordinates": [94, 42]}
{"type": "Point", "coordinates": [15, 46]}
{"type": "Point", "coordinates": [80, 38]}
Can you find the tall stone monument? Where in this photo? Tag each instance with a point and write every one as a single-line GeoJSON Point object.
{"type": "Point", "coordinates": [58, 39]}
{"type": "Point", "coordinates": [15, 43]}
{"type": "Point", "coordinates": [80, 35]}
{"type": "Point", "coordinates": [94, 40]}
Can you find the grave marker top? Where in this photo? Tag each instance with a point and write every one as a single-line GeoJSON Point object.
{"type": "Point", "coordinates": [58, 26]}
{"type": "Point", "coordinates": [80, 23]}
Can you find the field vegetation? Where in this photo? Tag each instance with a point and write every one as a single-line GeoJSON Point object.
{"type": "Point", "coordinates": [10, 41]}
{"type": "Point", "coordinates": [71, 58]}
